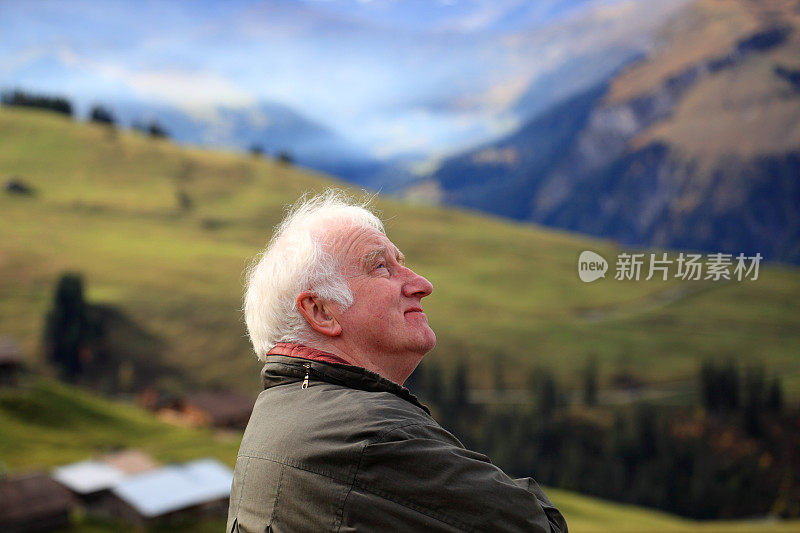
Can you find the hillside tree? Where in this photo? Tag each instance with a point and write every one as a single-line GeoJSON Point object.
{"type": "Point", "coordinates": [67, 330]}
{"type": "Point", "coordinates": [19, 98]}
{"type": "Point", "coordinates": [590, 382]}
{"type": "Point", "coordinates": [102, 115]}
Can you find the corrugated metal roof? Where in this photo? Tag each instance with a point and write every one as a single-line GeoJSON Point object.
{"type": "Point", "coordinates": [175, 487]}
{"type": "Point", "coordinates": [86, 477]}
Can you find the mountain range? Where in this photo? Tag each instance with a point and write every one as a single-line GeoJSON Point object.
{"type": "Point", "coordinates": [381, 81]}
{"type": "Point", "coordinates": [696, 145]}
{"type": "Point", "coordinates": [272, 127]}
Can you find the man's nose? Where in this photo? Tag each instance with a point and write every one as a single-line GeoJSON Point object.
{"type": "Point", "coordinates": [416, 285]}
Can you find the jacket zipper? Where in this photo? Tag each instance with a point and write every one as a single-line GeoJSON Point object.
{"type": "Point", "coordinates": [308, 373]}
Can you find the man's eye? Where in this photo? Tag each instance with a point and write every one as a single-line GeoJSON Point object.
{"type": "Point", "coordinates": [381, 265]}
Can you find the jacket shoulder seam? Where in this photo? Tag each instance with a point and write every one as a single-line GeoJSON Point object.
{"type": "Point", "coordinates": [340, 511]}
{"type": "Point", "coordinates": [244, 479]}
{"type": "Point", "coordinates": [385, 432]}
{"type": "Point", "coordinates": [274, 517]}
{"type": "Point", "coordinates": [299, 465]}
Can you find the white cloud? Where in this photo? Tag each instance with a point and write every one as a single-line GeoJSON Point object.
{"type": "Point", "coordinates": [196, 91]}
{"type": "Point", "coordinates": [12, 62]}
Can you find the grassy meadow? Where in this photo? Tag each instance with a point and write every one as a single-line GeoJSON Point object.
{"type": "Point", "coordinates": [592, 515]}
{"type": "Point", "coordinates": [162, 234]}
{"type": "Point", "coordinates": [46, 424]}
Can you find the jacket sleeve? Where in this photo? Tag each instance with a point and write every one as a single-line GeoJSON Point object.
{"type": "Point", "coordinates": [553, 515]}
{"type": "Point", "coordinates": [423, 477]}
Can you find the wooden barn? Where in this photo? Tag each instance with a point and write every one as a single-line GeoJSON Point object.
{"type": "Point", "coordinates": [91, 480]}
{"type": "Point", "coordinates": [34, 502]}
{"type": "Point", "coordinates": [223, 409]}
{"type": "Point", "coordinates": [172, 493]}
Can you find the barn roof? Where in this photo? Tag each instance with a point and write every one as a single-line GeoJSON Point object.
{"type": "Point", "coordinates": [86, 477]}
{"type": "Point", "coordinates": [175, 487]}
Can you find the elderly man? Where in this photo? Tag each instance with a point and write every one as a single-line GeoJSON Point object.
{"type": "Point", "coordinates": [335, 442]}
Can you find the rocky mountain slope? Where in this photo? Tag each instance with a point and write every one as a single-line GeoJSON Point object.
{"type": "Point", "coordinates": [696, 146]}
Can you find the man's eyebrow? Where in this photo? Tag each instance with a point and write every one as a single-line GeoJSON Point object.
{"type": "Point", "coordinates": [370, 258]}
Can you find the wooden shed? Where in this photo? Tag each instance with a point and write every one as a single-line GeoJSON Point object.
{"type": "Point", "coordinates": [172, 493]}
{"type": "Point", "coordinates": [224, 409]}
{"type": "Point", "coordinates": [34, 502]}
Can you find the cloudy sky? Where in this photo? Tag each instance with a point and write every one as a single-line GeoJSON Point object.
{"type": "Point", "coordinates": [391, 76]}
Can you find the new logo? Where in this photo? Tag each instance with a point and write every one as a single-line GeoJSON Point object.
{"type": "Point", "coordinates": [591, 266]}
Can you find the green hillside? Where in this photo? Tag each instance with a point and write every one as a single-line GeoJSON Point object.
{"type": "Point", "coordinates": [109, 205]}
{"type": "Point", "coordinates": [592, 515]}
{"type": "Point", "coordinates": [46, 423]}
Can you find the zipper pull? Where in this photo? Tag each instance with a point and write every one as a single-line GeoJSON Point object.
{"type": "Point", "coordinates": [308, 373]}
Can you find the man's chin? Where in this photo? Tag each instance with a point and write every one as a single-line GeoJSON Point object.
{"type": "Point", "coordinates": [430, 341]}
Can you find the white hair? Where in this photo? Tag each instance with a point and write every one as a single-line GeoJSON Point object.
{"type": "Point", "coordinates": [295, 260]}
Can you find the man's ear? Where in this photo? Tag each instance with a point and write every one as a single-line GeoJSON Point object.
{"type": "Point", "coordinates": [317, 314]}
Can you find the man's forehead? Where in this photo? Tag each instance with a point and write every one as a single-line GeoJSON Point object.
{"type": "Point", "coordinates": [355, 243]}
{"type": "Point", "coordinates": [374, 245]}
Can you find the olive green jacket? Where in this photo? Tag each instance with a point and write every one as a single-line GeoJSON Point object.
{"type": "Point", "coordinates": [352, 451]}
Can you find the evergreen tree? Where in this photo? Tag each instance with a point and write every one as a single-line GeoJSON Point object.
{"type": "Point", "coordinates": [285, 158]}
{"type": "Point", "coordinates": [730, 385]}
{"type": "Point", "coordinates": [156, 130]}
{"type": "Point", "coordinates": [545, 393]}
{"type": "Point", "coordinates": [184, 200]}
{"type": "Point", "coordinates": [434, 384]}
{"type": "Point", "coordinates": [152, 128]}
{"type": "Point", "coordinates": [719, 386]}
{"type": "Point", "coordinates": [775, 396]}
{"type": "Point", "coordinates": [20, 98]}
{"type": "Point", "coordinates": [455, 408]}
{"type": "Point", "coordinates": [67, 330]}
{"type": "Point", "coordinates": [101, 115]}
{"type": "Point", "coordinates": [416, 381]}
{"type": "Point", "coordinates": [459, 391]}
{"type": "Point", "coordinates": [498, 368]}
{"type": "Point", "coordinates": [590, 382]}
{"type": "Point", "coordinates": [256, 150]}
{"type": "Point", "coordinates": [754, 400]}
{"type": "Point", "coordinates": [646, 431]}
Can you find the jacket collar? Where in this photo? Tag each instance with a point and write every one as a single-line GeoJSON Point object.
{"type": "Point", "coordinates": [306, 352]}
{"type": "Point", "coordinates": [283, 369]}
